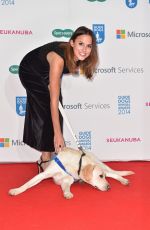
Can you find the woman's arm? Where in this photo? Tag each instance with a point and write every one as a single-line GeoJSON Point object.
{"type": "Point", "coordinates": [56, 67]}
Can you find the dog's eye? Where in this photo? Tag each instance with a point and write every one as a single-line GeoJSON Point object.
{"type": "Point", "coordinates": [101, 176]}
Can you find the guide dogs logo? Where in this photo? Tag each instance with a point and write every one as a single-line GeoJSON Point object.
{"type": "Point", "coordinates": [7, 2]}
{"type": "Point", "coordinates": [124, 105]}
{"type": "Point", "coordinates": [99, 31]}
{"type": "Point", "coordinates": [21, 105]}
{"type": "Point", "coordinates": [131, 3]}
{"type": "Point", "coordinates": [85, 139]}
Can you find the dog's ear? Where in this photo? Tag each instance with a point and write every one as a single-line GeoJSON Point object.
{"type": "Point", "coordinates": [87, 172]}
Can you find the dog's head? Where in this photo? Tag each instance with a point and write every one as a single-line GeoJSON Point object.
{"type": "Point", "coordinates": [95, 176]}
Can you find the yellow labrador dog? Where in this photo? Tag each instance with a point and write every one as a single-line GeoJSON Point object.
{"type": "Point", "coordinates": [71, 165]}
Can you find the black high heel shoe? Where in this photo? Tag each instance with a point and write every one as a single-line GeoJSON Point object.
{"type": "Point", "coordinates": [39, 163]}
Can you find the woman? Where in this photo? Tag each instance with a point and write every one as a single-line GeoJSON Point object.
{"type": "Point", "coordinates": [40, 73]}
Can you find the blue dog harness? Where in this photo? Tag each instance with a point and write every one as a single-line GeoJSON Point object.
{"type": "Point", "coordinates": [56, 159]}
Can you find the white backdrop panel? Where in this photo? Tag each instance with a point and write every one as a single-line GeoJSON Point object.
{"type": "Point", "coordinates": [109, 115]}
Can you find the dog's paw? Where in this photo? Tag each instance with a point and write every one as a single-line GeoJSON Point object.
{"type": "Point", "coordinates": [125, 182]}
{"type": "Point", "coordinates": [68, 195]}
{"type": "Point", "coordinates": [13, 192]}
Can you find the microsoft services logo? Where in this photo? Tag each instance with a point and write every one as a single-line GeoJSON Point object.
{"type": "Point", "coordinates": [120, 34]}
{"type": "Point", "coordinates": [8, 142]}
{"type": "Point", "coordinates": [4, 142]}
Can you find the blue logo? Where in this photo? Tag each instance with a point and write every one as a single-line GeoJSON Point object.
{"type": "Point", "coordinates": [6, 2]}
{"type": "Point", "coordinates": [123, 105]}
{"type": "Point", "coordinates": [85, 140]}
{"type": "Point", "coordinates": [21, 105]}
{"type": "Point", "coordinates": [99, 31]}
{"type": "Point", "coordinates": [96, 0]}
{"type": "Point", "coordinates": [131, 3]}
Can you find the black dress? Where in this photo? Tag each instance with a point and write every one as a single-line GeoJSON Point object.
{"type": "Point", "coordinates": [34, 75]}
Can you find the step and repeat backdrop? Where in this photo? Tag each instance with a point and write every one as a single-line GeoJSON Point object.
{"type": "Point", "coordinates": [110, 115]}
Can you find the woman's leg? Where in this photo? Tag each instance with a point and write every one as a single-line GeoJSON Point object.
{"type": "Point", "coordinates": [46, 156]}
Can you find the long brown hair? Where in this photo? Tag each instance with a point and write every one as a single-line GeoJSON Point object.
{"type": "Point", "coordinates": [88, 65]}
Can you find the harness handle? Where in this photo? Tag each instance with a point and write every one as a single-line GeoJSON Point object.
{"type": "Point", "coordinates": [69, 126]}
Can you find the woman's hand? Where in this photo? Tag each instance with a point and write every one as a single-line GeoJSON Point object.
{"type": "Point", "coordinates": [59, 142]}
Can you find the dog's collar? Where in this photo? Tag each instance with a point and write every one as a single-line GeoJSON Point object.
{"type": "Point", "coordinates": [80, 163]}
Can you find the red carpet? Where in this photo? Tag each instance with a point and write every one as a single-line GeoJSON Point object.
{"type": "Point", "coordinates": [43, 206]}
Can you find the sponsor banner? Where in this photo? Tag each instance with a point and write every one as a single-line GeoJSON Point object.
{"type": "Point", "coordinates": [86, 106]}
{"type": "Point", "coordinates": [131, 3]}
{"type": "Point", "coordinates": [4, 142]}
{"type": "Point", "coordinates": [85, 139]}
{"type": "Point", "coordinates": [99, 31]}
{"type": "Point", "coordinates": [21, 105]}
{"type": "Point", "coordinates": [124, 105]}
{"type": "Point", "coordinates": [15, 32]}
{"type": "Point", "coordinates": [123, 140]}
{"type": "Point", "coordinates": [14, 69]}
{"type": "Point", "coordinates": [120, 71]}
{"type": "Point", "coordinates": [96, 0]}
{"type": "Point", "coordinates": [7, 2]}
{"type": "Point", "coordinates": [110, 113]}
{"type": "Point", "coordinates": [59, 33]}
{"type": "Point", "coordinates": [123, 34]}
{"type": "Point", "coordinates": [147, 104]}
{"type": "Point", "coordinates": [7, 142]}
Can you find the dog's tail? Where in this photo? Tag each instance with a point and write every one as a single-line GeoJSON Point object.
{"type": "Point", "coordinates": [124, 173]}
